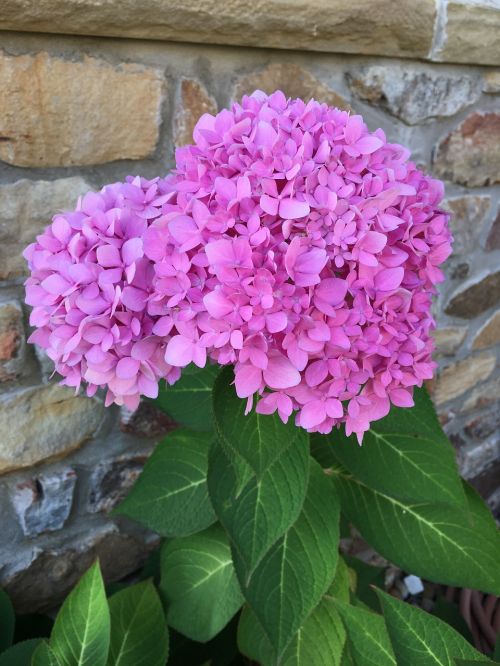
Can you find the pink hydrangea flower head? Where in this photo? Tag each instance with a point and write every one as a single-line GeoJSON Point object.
{"type": "Point", "coordinates": [304, 250]}
{"type": "Point", "coordinates": [90, 287]}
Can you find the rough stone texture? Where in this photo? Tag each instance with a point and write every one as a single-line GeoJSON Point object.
{"type": "Point", "coordinates": [12, 340]}
{"type": "Point", "coordinates": [26, 207]}
{"type": "Point", "coordinates": [43, 503]}
{"type": "Point", "coordinates": [146, 422]}
{"type": "Point", "coordinates": [489, 334]}
{"type": "Point", "coordinates": [293, 80]}
{"type": "Point", "coordinates": [458, 378]}
{"type": "Point", "coordinates": [111, 480]}
{"type": "Point", "coordinates": [414, 95]}
{"type": "Point", "coordinates": [476, 458]}
{"type": "Point", "coordinates": [56, 112]}
{"type": "Point", "coordinates": [468, 220]}
{"type": "Point", "coordinates": [493, 240]}
{"type": "Point", "coordinates": [482, 396]}
{"type": "Point", "coordinates": [193, 102]}
{"type": "Point", "coordinates": [470, 155]}
{"type": "Point", "coordinates": [475, 296]}
{"type": "Point", "coordinates": [472, 32]}
{"type": "Point", "coordinates": [53, 572]}
{"type": "Point", "coordinates": [484, 425]}
{"type": "Point", "coordinates": [41, 422]}
{"type": "Point", "coordinates": [449, 339]}
{"type": "Point", "coordinates": [384, 27]}
{"type": "Point", "coordinates": [491, 81]}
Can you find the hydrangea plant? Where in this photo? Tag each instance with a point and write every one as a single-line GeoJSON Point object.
{"type": "Point", "coordinates": [273, 295]}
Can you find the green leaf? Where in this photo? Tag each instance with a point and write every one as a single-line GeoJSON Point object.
{"type": "Point", "coordinates": [257, 514]}
{"type": "Point", "coordinates": [20, 654]}
{"type": "Point", "coordinates": [319, 641]}
{"type": "Point", "coordinates": [258, 439]}
{"type": "Point", "coordinates": [295, 573]}
{"type": "Point", "coordinates": [44, 656]}
{"type": "Point", "coordinates": [139, 635]}
{"type": "Point", "coordinates": [80, 636]}
{"type": "Point", "coordinates": [367, 635]}
{"type": "Point", "coordinates": [435, 541]}
{"type": "Point", "coordinates": [420, 639]}
{"type": "Point", "coordinates": [7, 621]}
{"type": "Point", "coordinates": [199, 584]}
{"type": "Point", "coordinates": [405, 455]}
{"type": "Point", "coordinates": [171, 496]}
{"type": "Point", "coordinates": [189, 400]}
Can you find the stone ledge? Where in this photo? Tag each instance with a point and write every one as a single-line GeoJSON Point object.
{"type": "Point", "coordinates": [404, 28]}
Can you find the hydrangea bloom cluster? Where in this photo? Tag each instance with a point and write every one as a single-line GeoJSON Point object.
{"type": "Point", "coordinates": [289, 241]}
{"type": "Point", "coordinates": [90, 286]}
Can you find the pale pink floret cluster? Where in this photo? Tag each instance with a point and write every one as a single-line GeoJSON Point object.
{"type": "Point", "coordinates": [90, 288]}
{"type": "Point", "coordinates": [289, 241]}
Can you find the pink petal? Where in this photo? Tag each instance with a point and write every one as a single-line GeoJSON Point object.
{"type": "Point", "coordinates": [179, 352]}
{"type": "Point", "coordinates": [134, 299]}
{"type": "Point", "coordinates": [248, 379]}
{"type": "Point", "coordinates": [292, 209]}
{"type": "Point", "coordinates": [269, 204]}
{"type": "Point", "coordinates": [217, 304]}
{"type": "Point", "coordinates": [280, 373]}
{"type": "Point", "coordinates": [389, 279]}
{"type": "Point", "coordinates": [126, 368]}
{"type": "Point", "coordinates": [108, 256]}
{"type": "Point", "coordinates": [312, 414]}
{"type": "Point", "coordinates": [276, 321]}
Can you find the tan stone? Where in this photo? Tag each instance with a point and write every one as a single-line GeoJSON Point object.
{"type": "Point", "coordinates": [467, 220]}
{"type": "Point", "coordinates": [384, 27]}
{"type": "Point", "coordinates": [12, 340]}
{"type": "Point", "coordinates": [57, 112]}
{"type": "Point", "coordinates": [448, 340]}
{"type": "Point", "coordinates": [459, 377]}
{"type": "Point", "coordinates": [42, 422]}
{"type": "Point", "coordinates": [26, 207]}
{"type": "Point", "coordinates": [293, 80]}
{"type": "Point", "coordinates": [489, 334]}
{"type": "Point", "coordinates": [491, 81]}
{"type": "Point", "coordinates": [472, 30]}
{"type": "Point", "coordinates": [469, 155]}
{"type": "Point", "coordinates": [193, 102]}
{"type": "Point", "coordinates": [493, 240]}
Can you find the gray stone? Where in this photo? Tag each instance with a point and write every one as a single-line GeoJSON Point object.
{"type": "Point", "coordinates": [44, 579]}
{"type": "Point", "coordinates": [482, 396]}
{"type": "Point", "coordinates": [43, 503]}
{"type": "Point", "coordinates": [467, 221]}
{"type": "Point", "coordinates": [415, 94]}
{"type": "Point", "coordinates": [482, 426]}
{"type": "Point", "coordinates": [474, 459]}
{"type": "Point", "coordinates": [41, 422]}
{"type": "Point", "coordinates": [475, 296]}
{"type": "Point", "coordinates": [493, 240]}
{"type": "Point", "coordinates": [111, 480]}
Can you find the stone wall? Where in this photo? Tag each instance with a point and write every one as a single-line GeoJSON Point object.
{"type": "Point", "coordinates": [114, 98]}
